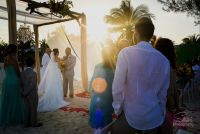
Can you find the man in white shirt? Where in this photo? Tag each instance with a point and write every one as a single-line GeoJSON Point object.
{"type": "Point", "coordinates": [140, 84]}
{"type": "Point", "coordinates": [45, 59]}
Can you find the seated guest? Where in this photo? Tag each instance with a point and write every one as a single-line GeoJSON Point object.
{"type": "Point", "coordinates": [140, 85]}
{"type": "Point", "coordinates": [101, 92]}
{"type": "Point", "coordinates": [11, 103]}
{"type": "Point", "coordinates": [30, 94]}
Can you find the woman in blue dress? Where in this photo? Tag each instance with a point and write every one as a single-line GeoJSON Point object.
{"type": "Point", "coordinates": [100, 88]}
{"type": "Point", "coordinates": [11, 103]}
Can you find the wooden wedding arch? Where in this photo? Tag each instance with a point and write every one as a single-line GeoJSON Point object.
{"type": "Point", "coordinates": [16, 10]}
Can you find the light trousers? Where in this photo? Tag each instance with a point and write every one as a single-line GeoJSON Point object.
{"type": "Point", "coordinates": [68, 85]}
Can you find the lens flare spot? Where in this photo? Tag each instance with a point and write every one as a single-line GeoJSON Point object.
{"type": "Point", "coordinates": [99, 85]}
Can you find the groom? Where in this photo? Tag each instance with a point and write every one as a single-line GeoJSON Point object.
{"type": "Point", "coordinates": [68, 74]}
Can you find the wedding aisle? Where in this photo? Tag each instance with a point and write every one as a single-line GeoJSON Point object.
{"type": "Point", "coordinates": [68, 120]}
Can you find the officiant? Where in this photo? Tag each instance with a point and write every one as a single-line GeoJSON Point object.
{"type": "Point", "coordinates": [68, 74]}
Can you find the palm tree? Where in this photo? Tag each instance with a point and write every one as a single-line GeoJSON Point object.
{"type": "Point", "coordinates": [193, 39]}
{"type": "Point", "coordinates": [125, 17]}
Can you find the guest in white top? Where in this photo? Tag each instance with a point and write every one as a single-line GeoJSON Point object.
{"type": "Point", "coordinates": [140, 84]}
{"type": "Point", "coordinates": [45, 59]}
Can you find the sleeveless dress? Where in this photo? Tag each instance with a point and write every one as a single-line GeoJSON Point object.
{"type": "Point", "coordinates": [11, 102]}
{"type": "Point", "coordinates": [51, 88]}
{"type": "Point", "coordinates": [101, 109]}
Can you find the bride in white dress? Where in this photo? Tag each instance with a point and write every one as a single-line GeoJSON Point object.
{"type": "Point", "coordinates": [51, 86]}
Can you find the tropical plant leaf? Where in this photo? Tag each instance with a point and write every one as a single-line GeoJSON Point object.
{"type": "Point", "coordinates": [126, 16]}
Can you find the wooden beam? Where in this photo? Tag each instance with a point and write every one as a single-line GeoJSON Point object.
{"type": "Point", "coordinates": [22, 13]}
{"type": "Point", "coordinates": [27, 22]}
{"type": "Point", "coordinates": [58, 21]}
{"type": "Point", "coordinates": [37, 57]}
{"type": "Point", "coordinates": [12, 26]}
{"type": "Point", "coordinates": [84, 53]}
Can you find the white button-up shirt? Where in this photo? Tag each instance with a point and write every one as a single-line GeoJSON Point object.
{"type": "Point", "coordinates": [140, 86]}
{"type": "Point", "coordinates": [45, 60]}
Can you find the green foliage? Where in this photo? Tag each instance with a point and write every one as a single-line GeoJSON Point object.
{"type": "Point", "coordinates": [124, 18]}
{"type": "Point", "coordinates": [191, 7]}
{"type": "Point", "coordinates": [24, 50]}
{"type": "Point", "coordinates": [188, 50]}
{"type": "Point", "coordinates": [3, 46]}
{"type": "Point", "coordinates": [62, 7]}
{"type": "Point", "coordinates": [191, 39]}
{"type": "Point", "coordinates": [57, 8]}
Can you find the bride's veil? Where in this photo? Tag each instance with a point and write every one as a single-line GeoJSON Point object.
{"type": "Point", "coordinates": [52, 57]}
{"type": "Point", "coordinates": [43, 82]}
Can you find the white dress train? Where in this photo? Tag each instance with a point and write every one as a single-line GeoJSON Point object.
{"type": "Point", "coordinates": [51, 88]}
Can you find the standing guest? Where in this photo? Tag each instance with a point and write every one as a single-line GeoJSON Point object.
{"type": "Point", "coordinates": [30, 94]}
{"type": "Point", "coordinates": [68, 74]}
{"type": "Point", "coordinates": [140, 85]}
{"type": "Point", "coordinates": [166, 47]}
{"type": "Point", "coordinates": [11, 103]}
{"type": "Point", "coordinates": [45, 59]}
{"type": "Point", "coordinates": [101, 92]}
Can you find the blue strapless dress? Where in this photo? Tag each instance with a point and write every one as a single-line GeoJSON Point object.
{"type": "Point", "coordinates": [101, 109]}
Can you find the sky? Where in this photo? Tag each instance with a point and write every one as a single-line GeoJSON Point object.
{"type": "Point", "coordinates": [171, 25]}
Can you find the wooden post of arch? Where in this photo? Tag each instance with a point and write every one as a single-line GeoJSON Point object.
{"type": "Point", "coordinates": [37, 57]}
{"type": "Point", "coordinates": [12, 26]}
{"type": "Point", "coordinates": [84, 75]}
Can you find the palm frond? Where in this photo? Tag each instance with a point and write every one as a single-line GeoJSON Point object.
{"type": "Point", "coordinates": [116, 29]}
{"type": "Point", "coordinates": [126, 16]}
{"type": "Point", "coordinates": [113, 20]}
{"type": "Point", "coordinates": [191, 39]}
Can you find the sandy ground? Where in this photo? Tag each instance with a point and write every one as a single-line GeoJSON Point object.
{"type": "Point", "coordinates": [58, 122]}
{"type": "Point", "coordinates": [74, 120]}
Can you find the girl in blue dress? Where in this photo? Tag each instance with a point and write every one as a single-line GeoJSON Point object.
{"type": "Point", "coordinates": [100, 88]}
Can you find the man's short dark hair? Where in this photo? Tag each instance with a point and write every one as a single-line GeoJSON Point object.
{"type": "Point", "coordinates": [145, 28]}
{"type": "Point", "coordinates": [30, 62]}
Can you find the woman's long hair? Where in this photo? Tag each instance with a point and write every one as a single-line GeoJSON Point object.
{"type": "Point", "coordinates": [166, 47]}
{"type": "Point", "coordinates": [107, 57]}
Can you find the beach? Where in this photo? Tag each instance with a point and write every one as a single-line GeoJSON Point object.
{"type": "Point", "coordinates": [72, 119]}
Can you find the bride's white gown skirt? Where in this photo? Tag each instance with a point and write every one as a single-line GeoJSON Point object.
{"type": "Point", "coordinates": [51, 89]}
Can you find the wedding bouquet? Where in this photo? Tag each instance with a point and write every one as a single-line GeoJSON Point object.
{"type": "Point", "coordinates": [62, 65]}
